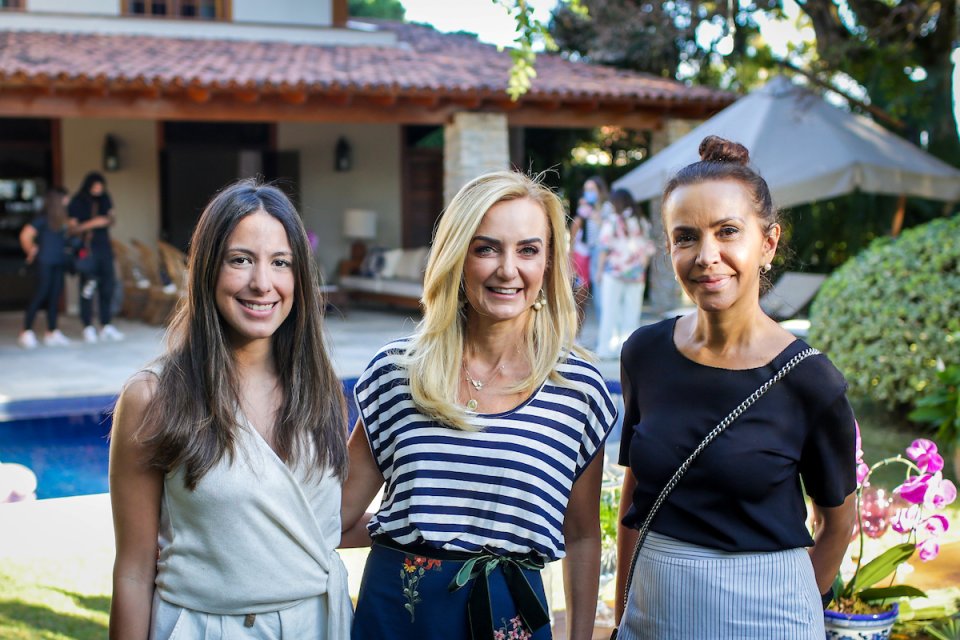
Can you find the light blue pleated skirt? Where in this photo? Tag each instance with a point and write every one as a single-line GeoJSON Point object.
{"type": "Point", "coordinates": [683, 591]}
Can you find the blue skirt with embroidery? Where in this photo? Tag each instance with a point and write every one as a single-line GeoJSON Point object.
{"type": "Point", "coordinates": [411, 593]}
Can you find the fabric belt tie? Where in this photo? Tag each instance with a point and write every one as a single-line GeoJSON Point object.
{"type": "Point", "coordinates": [479, 610]}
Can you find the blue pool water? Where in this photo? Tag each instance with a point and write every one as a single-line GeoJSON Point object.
{"type": "Point", "coordinates": [65, 442]}
{"type": "Point", "coordinates": [68, 453]}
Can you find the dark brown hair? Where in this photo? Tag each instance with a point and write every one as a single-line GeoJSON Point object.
{"type": "Point", "coordinates": [192, 420]}
{"type": "Point", "coordinates": [603, 191]}
{"type": "Point", "coordinates": [722, 159]}
{"type": "Point", "coordinates": [54, 209]}
{"type": "Point", "coordinates": [622, 200]}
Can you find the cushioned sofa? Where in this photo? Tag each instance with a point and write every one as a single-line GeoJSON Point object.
{"type": "Point", "coordinates": [387, 276]}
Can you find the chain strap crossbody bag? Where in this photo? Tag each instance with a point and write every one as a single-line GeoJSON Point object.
{"type": "Point", "coordinates": [682, 469]}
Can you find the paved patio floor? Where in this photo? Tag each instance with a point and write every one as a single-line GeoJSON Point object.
{"type": "Point", "coordinates": [100, 369]}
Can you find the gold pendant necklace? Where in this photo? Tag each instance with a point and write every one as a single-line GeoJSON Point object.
{"type": "Point", "coordinates": [477, 385]}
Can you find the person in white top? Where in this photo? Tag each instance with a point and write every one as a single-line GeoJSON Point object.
{"type": "Point", "coordinates": [227, 454]}
{"type": "Point", "coordinates": [625, 251]}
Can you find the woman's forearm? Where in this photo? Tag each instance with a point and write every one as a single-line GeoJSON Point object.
{"type": "Point", "coordinates": [130, 607]}
{"type": "Point", "coordinates": [356, 535]}
{"type": "Point", "coordinates": [626, 543]}
{"type": "Point", "coordinates": [581, 582]}
{"type": "Point", "coordinates": [833, 528]}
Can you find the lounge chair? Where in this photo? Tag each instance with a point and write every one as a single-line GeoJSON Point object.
{"type": "Point", "coordinates": [791, 294]}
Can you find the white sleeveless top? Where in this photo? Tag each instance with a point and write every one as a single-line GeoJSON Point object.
{"type": "Point", "coordinates": [254, 536]}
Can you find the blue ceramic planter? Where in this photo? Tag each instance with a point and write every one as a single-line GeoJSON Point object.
{"type": "Point", "coordinates": [860, 626]}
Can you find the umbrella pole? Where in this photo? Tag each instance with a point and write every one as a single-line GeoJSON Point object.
{"type": "Point", "coordinates": [898, 215]}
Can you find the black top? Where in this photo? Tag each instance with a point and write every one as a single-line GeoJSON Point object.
{"type": "Point", "coordinates": [84, 208]}
{"type": "Point", "coordinates": [50, 243]}
{"type": "Point", "coordinates": [743, 493]}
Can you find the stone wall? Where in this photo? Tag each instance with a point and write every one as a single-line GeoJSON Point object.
{"type": "Point", "coordinates": [474, 144]}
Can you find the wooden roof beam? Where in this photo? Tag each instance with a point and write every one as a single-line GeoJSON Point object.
{"type": "Point", "coordinates": [199, 94]}
{"type": "Point", "coordinates": [294, 96]}
{"type": "Point", "coordinates": [382, 100]}
{"type": "Point", "coordinates": [467, 101]}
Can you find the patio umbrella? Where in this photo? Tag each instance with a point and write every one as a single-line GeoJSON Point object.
{"type": "Point", "coordinates": [807, 150]}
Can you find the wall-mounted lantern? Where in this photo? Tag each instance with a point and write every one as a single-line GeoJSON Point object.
{"type": "Point", "coordinates": [342, 155]}
{"type": "Point", "coordinates": [111, 153]}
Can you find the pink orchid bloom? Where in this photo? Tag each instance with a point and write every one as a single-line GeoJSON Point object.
{"type": "Point", "coordinates": [862, 469]}
{"type": "Point", "coordinates": [928, 550]}
{"type": "Point", "coordinates": [936, 525]}
{"type": "Point", "coordinates": [924, 453]}
{"type": "Point", "coordinates": [905, 520]}
{"type": "Point", "coordinates": [914, 490]}
{"type": "Point", "coordinates": [940, 492]}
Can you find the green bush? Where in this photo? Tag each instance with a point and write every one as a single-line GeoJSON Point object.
{"type": "Point", "coordinates": [886, 316]}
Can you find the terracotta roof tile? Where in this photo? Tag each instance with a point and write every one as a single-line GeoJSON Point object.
{"type": "Point", "coordinates": [424, 61]}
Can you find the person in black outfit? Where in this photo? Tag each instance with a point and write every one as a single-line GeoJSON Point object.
{"type": "Point", "coordinates": [44, 241]}
{"type": "Point", "coordinates": [91, 213]}
{"type": "Point", "coordinates": [728, 554]}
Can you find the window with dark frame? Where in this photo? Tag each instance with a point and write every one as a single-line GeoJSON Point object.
{"type": "Point", "coordinates": [192, 9]}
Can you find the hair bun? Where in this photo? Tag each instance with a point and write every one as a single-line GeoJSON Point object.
{"type": "Point", "coordinates": [717, 149]}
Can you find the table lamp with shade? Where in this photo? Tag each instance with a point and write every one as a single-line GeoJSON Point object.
{"type": "Point", "coordinates": [359, 225]}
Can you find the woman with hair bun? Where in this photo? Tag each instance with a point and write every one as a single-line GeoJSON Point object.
{"type": "Point", "coordinates": [722, 549]}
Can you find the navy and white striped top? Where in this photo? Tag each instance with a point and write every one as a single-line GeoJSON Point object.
{"type": "Point", "coordinates": [503, 487]}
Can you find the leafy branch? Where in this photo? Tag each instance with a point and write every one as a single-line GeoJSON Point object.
{"type": "Point", "coordinates": [530, 30]}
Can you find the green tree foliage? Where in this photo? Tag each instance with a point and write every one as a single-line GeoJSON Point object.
{"type": "Point", "coordinates": [386, 9]}
{"type": "Point", "coordinates": [661, 38]}
{"type": "Point", "coordinates": [898, 51]}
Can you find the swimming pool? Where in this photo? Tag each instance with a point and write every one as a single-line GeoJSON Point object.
{"type": "Point", "coordinates": [64, 441]}
{"type": "Point", "coordinates": [68, 453]}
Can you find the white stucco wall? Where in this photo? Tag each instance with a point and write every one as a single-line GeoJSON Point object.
{"type": "Point", "coordinates": [135, 187]}
{"type": "Point", "coordinates": [95, 7]}
{"type": "Point", "coordinates": [374, 182]}
{"type": "Point", "coordinates": [304, 12]}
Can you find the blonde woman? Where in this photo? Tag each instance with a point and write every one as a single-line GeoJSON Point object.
{"type": "Point", "coordinates": [487, 427]}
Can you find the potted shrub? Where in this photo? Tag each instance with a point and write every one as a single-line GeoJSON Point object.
{"type": "Point", "coordinates": [865, 604]}
{"type": "Point", "coordinates": [941, 408]}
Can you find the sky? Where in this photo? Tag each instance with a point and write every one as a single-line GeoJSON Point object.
{"type": "Point", "coordinates": [490, 21]}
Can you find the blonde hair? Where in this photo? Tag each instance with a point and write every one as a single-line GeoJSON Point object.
{"type": "Point", "coordinates": [433, 359]}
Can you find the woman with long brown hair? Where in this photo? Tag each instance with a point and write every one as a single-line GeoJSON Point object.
{"type": "Point", "coordinates": [228, 454]}
{"type": "Point", "coordinates": [44, 241]}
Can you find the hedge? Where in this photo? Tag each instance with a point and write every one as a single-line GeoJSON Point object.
{"type": "Point", "coordinates": [888, 315]}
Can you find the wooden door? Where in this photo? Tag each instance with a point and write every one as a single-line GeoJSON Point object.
{"type": "Point", "coordinates": [422, 194]}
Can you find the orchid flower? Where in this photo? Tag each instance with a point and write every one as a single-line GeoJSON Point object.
{"type": "Point", "coordinates": [924, 453]}
{"type": "Point", "coordinates": [936, 525]}
{"type": "Point", "coordinates": [924, 490]}
{"type": "Point", "coordinates": [862, 469]}
{"type": "Point", "coordinates": [914, 489]}
{"type": "Point", "coordinates": [940, 492]}
{"type": "Point", "coordinates": [906, 520]}
{"type": "Point", "coordinates": [928, 550]}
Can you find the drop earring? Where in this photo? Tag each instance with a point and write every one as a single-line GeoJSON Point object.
{"type": "Point", "coordinates": [541, 301]}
